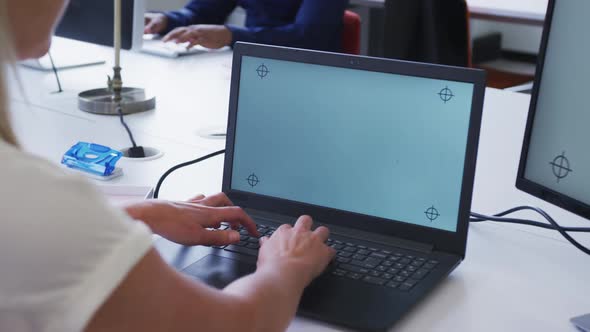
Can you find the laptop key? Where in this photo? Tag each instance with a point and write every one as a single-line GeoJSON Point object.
{"type": "Point", "coordinates": [363, 251]}
{"type": "Point", "coordinates": [399, 279]}
{"type": "Point", "coordinates": [429, 266]}
{"type": "Point", "coordinates": [374, 280]}
{"type": "Point", "coordinates": [354, 276]}
{"type": "Point", "coordinates": [353, 268]}
{"type": "Point", "coordinates": [338, 272]}
{"type": "Point", "coordinates": [420, 274]}
{"type": "Point", "coordinates": [387, 276]}
{"type": "Point", "coordinates": [406, 286]}
{"type": "Point", "coordinates": [254, 246]}
{"type": "Point", "coordinates": [378, 255]}
{"type": "Point", "coordinates": [393, 284]}
{"type": "Point", "coordinates": [337, 246]}
{"type": "Point", "coordinates": [343, 260]}
{"type": "Point", "coordinates": [362, 264]}
{"type": "Point", "coordinates": [381, 268]}
{"type": "Point", "coordinates": [350, 249]}
{"type": "Point", "coordinates": [374, 261]}
{"type": "Point", "coordinates": [417, 263]}
{"type": "Point", "coordinates": [241, 250]}
{"type": "Point", "coordinates": [399, 265]}
{"type": "Point", "coordinates": [375, 274]}
{"type": "Point", "coordinates": [344, 254]}
{"type": "Point", "coordinates": [393, 271]}
{"type": "Point", "coordinates": [387, 263]}
{"type": "Point", "coordinates": [405, 274]}
{"type": "Point", "coordinates": [359, 257]}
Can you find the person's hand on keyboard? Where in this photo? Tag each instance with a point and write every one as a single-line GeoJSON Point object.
{"type": "Point", "coordinates": [297, 251]}
{"type": "Point", "coordinates": [195, 222]}
{"type": "Point", "coordinates": [208, 36]}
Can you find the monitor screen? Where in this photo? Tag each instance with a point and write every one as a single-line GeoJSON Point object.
{"type": "Point", "coordinates": [377, 144]}
{"type": "Point", "coordinates": [92, 21]}
{"type": "Point", "coordinates": [558, 157]}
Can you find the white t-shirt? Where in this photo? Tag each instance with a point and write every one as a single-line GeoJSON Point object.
{"type": "Point", "coordinates": [63, 250]}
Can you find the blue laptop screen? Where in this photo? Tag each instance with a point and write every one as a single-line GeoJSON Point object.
{"type": "Point", "coordinates": [377, 144]}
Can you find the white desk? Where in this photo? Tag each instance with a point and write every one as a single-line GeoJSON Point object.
{"type": "Point", "coordinates": [514, 278]}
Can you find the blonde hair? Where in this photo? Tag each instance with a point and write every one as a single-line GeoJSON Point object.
{"type": "Point", "coordinates": [6, 59]}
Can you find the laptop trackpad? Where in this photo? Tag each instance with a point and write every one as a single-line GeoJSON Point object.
{"type": "Point", "coordinates": [219, 271]}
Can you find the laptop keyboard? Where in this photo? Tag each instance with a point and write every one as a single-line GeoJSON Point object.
{"type": "Point", "coordinates": [387, 268]}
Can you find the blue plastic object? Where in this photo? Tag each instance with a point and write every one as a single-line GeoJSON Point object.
{"type": "Point", "coordinates": [92, 158]}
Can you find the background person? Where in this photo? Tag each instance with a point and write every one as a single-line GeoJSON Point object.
{"type": "Point", "coordinates": [311, 24]}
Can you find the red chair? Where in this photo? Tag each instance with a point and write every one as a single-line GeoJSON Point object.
{"type": "Point", "coordinates": [351, 33]}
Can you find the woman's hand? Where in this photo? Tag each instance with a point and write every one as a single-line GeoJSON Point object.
{"type": "Point", "coordinates": [195, 222]}
{"type": "Point", "coordinates": [297, 251]}
{"type": "Point", "coordinates": [209, 36]}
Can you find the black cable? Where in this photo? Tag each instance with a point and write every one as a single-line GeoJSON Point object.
{"type": "Point", "coordinates": [179, 166]}
{"type": "Point", "coordinates": [55, 73]}
{"type": "Point", "coordinates": [553, 225]}
{"type": "Point", "coordinates": [122, 118]}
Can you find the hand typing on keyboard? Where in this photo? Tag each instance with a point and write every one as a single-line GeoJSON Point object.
{"type": "Point", "coordinates": [297, 250]}
{"type": "Point", "coordinates": [195, 222]}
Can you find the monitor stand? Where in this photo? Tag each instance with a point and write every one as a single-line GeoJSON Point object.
{"type": "Point", "coordinates": [67, 54]}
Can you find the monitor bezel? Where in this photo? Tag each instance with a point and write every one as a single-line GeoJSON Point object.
{"type": "Point", "coordinates": [522, 183]}
{"type": "Point", "coordinates": [441, 240]}
{"type": "Point", "coordinates": [131, 26]}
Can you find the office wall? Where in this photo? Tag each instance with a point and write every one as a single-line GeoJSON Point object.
{"type": "Point", "coordinates": [157, 5]}
{"type": "Point", "coordinates": [515, 37]}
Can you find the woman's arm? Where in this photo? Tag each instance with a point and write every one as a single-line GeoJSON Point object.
{"type": "Point", "coordinates": [154, 297]}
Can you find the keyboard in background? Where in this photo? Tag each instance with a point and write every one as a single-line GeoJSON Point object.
{"type": "Point", "coordinates": [170, 49]}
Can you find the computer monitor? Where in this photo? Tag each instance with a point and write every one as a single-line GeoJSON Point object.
{"type": "Point", "coordinates": [555, 160]}
{"type": "Point", "coordinates": [92, 21]}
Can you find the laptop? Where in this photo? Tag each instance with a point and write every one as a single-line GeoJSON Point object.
{"type": "Point", "coordinates": [382, 152]}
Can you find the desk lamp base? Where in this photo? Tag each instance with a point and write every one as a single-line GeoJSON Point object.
{"type": "Point", "coordinates": [100, 101]}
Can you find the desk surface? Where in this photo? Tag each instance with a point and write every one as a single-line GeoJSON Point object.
{"type": "Point", "coordinates": [513, 279]}
{"type": "Point", "coordinates": [518, 11]}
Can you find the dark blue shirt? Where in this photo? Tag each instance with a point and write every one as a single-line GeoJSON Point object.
{"type": "Point", "coordinates": [313, 24]}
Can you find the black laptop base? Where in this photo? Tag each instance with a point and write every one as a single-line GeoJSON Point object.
{"type": "Point", "coordinates": [347, 294]}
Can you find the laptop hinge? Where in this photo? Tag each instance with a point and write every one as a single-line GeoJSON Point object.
{"type": "Point", "coordinates": [352, 233]}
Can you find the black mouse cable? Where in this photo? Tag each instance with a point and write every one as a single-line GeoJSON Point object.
{"type": "Point", "coordinates": [182, 165]}
{"type": "Point", "coordinates": [55, 73]}
{"type": "Point", "coordinates": [553, 225]}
